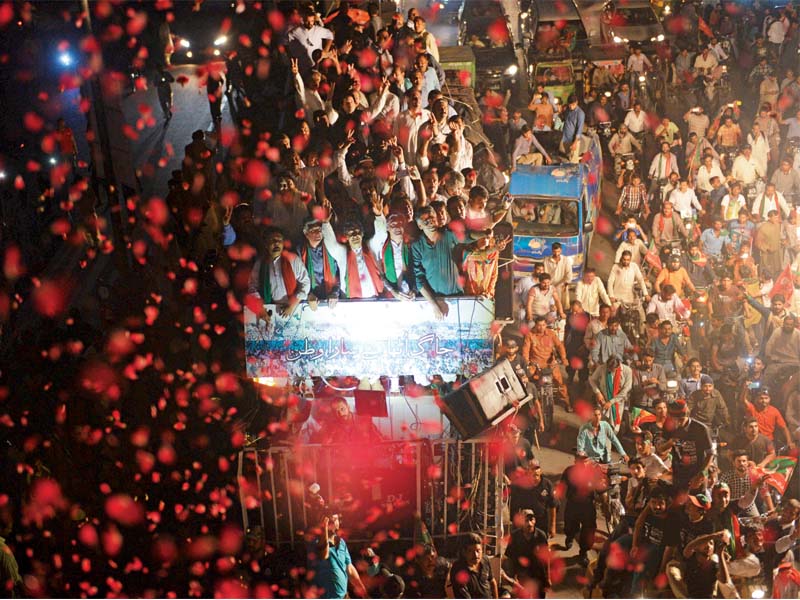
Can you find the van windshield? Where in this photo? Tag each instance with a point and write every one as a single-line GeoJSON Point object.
{"type": "Point", "coordinates": [544, 216]}
{"type": "Point", "coordinates": [631, 17]}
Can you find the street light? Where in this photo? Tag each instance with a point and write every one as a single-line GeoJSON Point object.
{"type": "Point", "coordinates": [65, 58]}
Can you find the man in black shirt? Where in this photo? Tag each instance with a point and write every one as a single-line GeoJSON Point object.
{"type": "Point", "coordinates": [527, 558]}
{"type": "Point", "coordinates": [760, 449]}
{"type": "Point", "coordinates": [426, 577]}
{"type": "Point", "coordinates": [689, 441]}
{"type": "Point", "coordinates": [689, 522]}
{"type": "Point", "coordinates": [700, 571]}
{"type": "Point", "coordinates": [579, 482]}
{"type": "Point", "coordinates": [530, 490]}
{"type": "Point", "coordinates": [471, 575]}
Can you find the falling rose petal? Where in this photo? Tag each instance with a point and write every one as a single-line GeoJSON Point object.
{"type": "Point", "coordinates": [124, 509]}
{"type": "Point", "coordinates": [33, 122]}
{"type": "Point", "coordinates": [87, 535]}
{"type": "Point", "coordinates": [50, 298]}
{"type": "Point", "coordinates": [112, 540]}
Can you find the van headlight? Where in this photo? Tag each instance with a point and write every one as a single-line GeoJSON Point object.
{"type": "Point", "coordinates": [511, 70]}
{"type": "Point", "coordinates": [617, 39]}
{"type": "Point", "coordinates": [221, 40]}
{"type": "Point", "coordinates": [660, 37]}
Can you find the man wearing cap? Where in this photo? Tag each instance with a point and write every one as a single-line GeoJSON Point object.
{"type": "Point", "coordinates": [739, 480]}
{"type": "Point", "coordinates": [689, 441]}
{"type": "Point", "coordinates": [707, 405]}
{"type": "Point", "coordinates": [611, 383]}
{"type": "Point", "coordinates": [531, 490]}
{"type": "Point", "coordinates": [524, 566]}
{"type": "Point", "coordinates": [323, 271]}
{"type": "Point", "coordinates": [690, 523]}
{"type": "Point", "coordinates": [769, 418]}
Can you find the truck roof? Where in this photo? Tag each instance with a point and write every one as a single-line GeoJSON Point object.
{"type": "Point", "coordinates": [557, 181]}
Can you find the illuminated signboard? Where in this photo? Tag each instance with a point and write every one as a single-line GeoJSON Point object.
{"type": "Point", "coordinates": [371, 339]}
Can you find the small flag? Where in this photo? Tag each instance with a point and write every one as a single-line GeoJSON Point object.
{"type": "Point", "coordinates": [784, 284]}
{"type": "Point", "coordinates": [703, 27]}
{"type": "Point", "coordinates": [779, 471]}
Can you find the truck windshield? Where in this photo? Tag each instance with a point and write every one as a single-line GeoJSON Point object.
{"type": "Point", "coordinates": [545, 216]}
{"type": "Point", "coordinates": [556, 75]}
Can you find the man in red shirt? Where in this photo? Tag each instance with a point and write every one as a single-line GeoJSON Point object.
{"type": "Point", "coordinates": [66, 142]}
{"type": "Point", "coordinates": [768, 416]}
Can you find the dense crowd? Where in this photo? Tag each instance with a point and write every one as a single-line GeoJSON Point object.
{"type": "Point", "coordinates": [362, 179]}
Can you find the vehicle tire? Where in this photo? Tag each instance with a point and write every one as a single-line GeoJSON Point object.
{"type": "Point", "coordinates": [546, 400]}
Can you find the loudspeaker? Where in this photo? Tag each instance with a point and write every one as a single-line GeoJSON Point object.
{"type": "Point", "coordinates": [485, 400]}
{"type": "Point", "coordinates": [371, 403]}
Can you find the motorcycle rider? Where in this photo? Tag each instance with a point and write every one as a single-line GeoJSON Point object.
{"type": "Point", "coordinates": [667, 227]}
{"type": "Point", "coordinates": [709, 168]}
{"type": "Point", "coordinates": [732, 203]}
{"type": "Point", "coordinates": [714, 239]}
{"type": "Point", "coordinates": [787, 179]}
{"type": "Point", "coordinates": [771, 199]}
{"type": "Point", "coordinates": [746, 168]}
{"type": "Point", "coordinates": [625, 275]}
{"type": "Point", "coordinates": [664, 164]}
{"type": "Point", "coordinates": [728, 138]}
{"type": "Point", "coordinates": [668, 306]}
{"type": "Point", "coordinates": [633, 245]}
{"type": "Point", "coordinates": [697, 265]}
{"type": "Point", "coordinates": [684, 201]}
{"type": "Point", "coordinates": [636, 120]}
{"type": "Point", "coordinates": [623, 142]}
{"type": "Point", "coordinates": [676, 276]}
{"type": "Point", "coordinates": [611, 383]}
{"type": "Point", "coordinates": [633, 199]}
{"type": "Point", "coordinates": [540, 348]}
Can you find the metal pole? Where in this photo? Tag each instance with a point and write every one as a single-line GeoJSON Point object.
{"type": "Point", "coordinates": [419, 478]}
{"type": "Point", "coordinates": [274, 501]}
{"type": "Point", "coordinates": [446, 445]}
{"type": "Point", "coordinates": [242, 502]}
{"type": "Point", "coordinates": [288, 498]}
{"type": "Point", "coordinates": [485, 478]}
{"type": "Point", "coordinates": [260, 492]}
{"type": "Point", "coordinates": [458, 491]}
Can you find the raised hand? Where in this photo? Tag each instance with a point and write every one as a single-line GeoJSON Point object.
{"type": "Point", "coordinates": [295, 67]}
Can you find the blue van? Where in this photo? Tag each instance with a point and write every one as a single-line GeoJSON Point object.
{"type": "Point", "coordinates": [556, 203]}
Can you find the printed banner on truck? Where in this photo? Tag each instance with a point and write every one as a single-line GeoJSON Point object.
{"type": "Point", "coordinates": [371, 339]}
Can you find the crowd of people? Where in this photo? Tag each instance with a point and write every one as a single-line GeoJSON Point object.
{"type": "Point", "coordinates": [369, 183]}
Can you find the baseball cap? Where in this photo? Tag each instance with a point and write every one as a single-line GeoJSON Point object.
{"type": "Point", "coordinates": [706, 379]}
{"type": "Point", "coordinates": [700, 501]}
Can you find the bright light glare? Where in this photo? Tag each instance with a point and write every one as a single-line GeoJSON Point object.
{"type": "Point", "coordinates": [642, 78]}
{"type": "Point", "coordinates": [185, 44]}
{"type": "Point", "coordinates": [758, 594]}
{"type": "Point", "coordinates": [2, 175]}
{"type": "Point", "coordinates": [216, 51]}
{"type": "Point", "coordinates": [667, 9]}
{"type": "Point", "coordinates": [221, 40]}
{"type": "Point", "coordinates": [52, 160]}
{"type": "Point", "coordinates": [523, 15]}
{"type": "Point", "coordinates": [65, 59]}
{"type": "Point", "coordinates": [189, 54]}
{"type": "Point", "coordinates": [617, 39]}
{"type": "Point", "coordinates": [512, 70]}
{"type": "Point", "coordinates": [660, 37]}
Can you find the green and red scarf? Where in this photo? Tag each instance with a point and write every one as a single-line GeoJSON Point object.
{"type": "Point", "coordinates": [289, 279]}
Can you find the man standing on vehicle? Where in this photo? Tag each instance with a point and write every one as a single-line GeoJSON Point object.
{"type": "Point", "coordinates": [689, 441]}
{"type": "Point", "coordinates": [540, 348]}
{"type": "Point", "coordinates": [572, 132]}
{"type": "Point", "coordinates": [611, 383]}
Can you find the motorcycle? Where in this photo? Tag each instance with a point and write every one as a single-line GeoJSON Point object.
{"type": "Point", "coordinates": [625, 167]}
{"type": "Point", "coordinates": [752, 191]}
{"type": "Point", "coordinates": [700, 322]}
{"type": "Point", "coordinates": [543, 382]}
